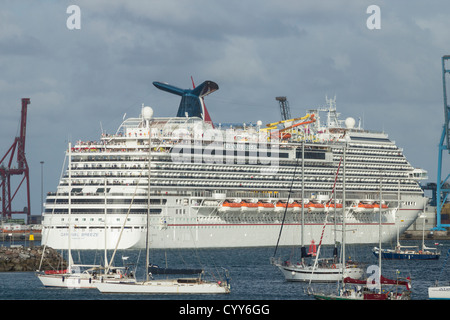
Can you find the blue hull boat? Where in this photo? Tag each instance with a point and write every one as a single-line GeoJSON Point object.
{"type": "Point", "coordinates": [400, 254]}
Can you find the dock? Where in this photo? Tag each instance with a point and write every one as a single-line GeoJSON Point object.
{"type": "Point", "coordinates": [429, 235]}
{"type": "Point", "coordinates": [407, 235]}
{"type": "Point", "coordinates": [20, 236]}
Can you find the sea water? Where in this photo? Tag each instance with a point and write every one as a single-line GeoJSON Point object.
{"type": "Point", "coordinates": [250, 273]}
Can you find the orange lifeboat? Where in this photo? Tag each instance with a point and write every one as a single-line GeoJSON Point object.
{"type": "Point", "coordinates": [282, 205]}
{"type": "Point", "coordinates": [376, 206]}
{"type": "Point", "coordinates": [246, 206]}
{"type": "Point", "coordinates": [265, 206]}
{"type": "Point", "coordinates": [364, 207]}
{"type": "Point", "coordinates": [297, 205]}
{"type": "Point", "coordinates": [314, 206]}
{"type": "Point", "coordinates": [332, 206]}
{"type": "Point", "coordinates": [230, 206]}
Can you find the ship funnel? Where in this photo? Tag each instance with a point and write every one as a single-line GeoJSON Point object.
{"type": "Point", "coordinates": [191, 104]}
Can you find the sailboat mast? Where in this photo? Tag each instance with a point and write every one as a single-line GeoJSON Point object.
{"type": "Point", "coordinates": [147, 246]}
{"type": "Point", "coordinates": [423, 231]}
{"type": "Point", "coordinates": [106, 237]}
{"type": "Point", "coordinates": [69, 251]}
{"type": "Point", "coordinates": [379, 235]}
{"type": "Point", "coordinates": [303, 203]}
{"type": "Point", "coordinates": [398, 208]}
{"type": "Point", "coordinates": [344, 212]}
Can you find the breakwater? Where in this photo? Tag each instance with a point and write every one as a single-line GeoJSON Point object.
{"type": "Point", "coordinates": [20, 258]}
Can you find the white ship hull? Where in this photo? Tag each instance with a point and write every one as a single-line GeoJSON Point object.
{"type": "Point", "coordinates": [93, 237]}
{"type": "Point", "coordinates": [217, 233]}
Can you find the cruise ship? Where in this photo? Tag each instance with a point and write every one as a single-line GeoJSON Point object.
{"type": "Point", "coordinates": [213, 185]}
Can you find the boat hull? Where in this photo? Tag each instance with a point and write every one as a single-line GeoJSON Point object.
{"type": "Point", "coordinates": [320, 274]}
{"type": "Point", "coordinates": [392, 255]}
{"type": "Point", "coordinates": [439, 293]}
{"type": "Point", "coordinates": [372, 296]}
{"type": "Point", "coordinates": [68, 281]}
{"type": "Point", "coordinates": [74, 281]}
{"type": "Point", "coordinates": [358, 294]}
{"type": "Point", "coordinates": [166, 286]}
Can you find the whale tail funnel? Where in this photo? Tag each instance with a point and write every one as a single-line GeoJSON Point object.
{"type": "Point", "coordinates": [191, 104]}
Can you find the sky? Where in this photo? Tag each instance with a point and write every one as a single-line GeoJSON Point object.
{"type": "Point", "coordinates": [83, 80]}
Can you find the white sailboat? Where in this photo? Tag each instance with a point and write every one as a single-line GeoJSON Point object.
{"type": "Point", "coordinates": [166, 286]}
{"type": "Point", "coordinates": [324, 269]}
{"type": "Point", "coordinates": [438, 292]}
{"type": "Point", "coordinates": [195, 285]}
{"type": "Point", "coordinates": [365, 289]}
{"type": "Point", "coordinates": [85, 277]}
{"type": "Point", "coordinates": [79, 276]}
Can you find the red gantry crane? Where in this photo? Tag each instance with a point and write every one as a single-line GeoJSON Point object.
{"type": "Point", "coordinates": [7, 170]}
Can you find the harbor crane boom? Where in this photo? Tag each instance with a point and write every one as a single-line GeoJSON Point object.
{"type": "Point", "coordinates": [442, 189]}
{"type": "Point", "coordinates": [7, 170]}
{"type": "Point", "coordinates": [284, 108]}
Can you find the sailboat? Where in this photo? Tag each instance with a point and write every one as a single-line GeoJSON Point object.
{"type": "Point", "coordinates": [78, 276]}
{"type": "Point", "coordinates": [371, 288]}
{"type": "Point", "coordinates": [438, 292]}
{"type": "Point", "coordinates": [409, 252]}
{"type": "Point", "coordinates": [323, 269]}
{"type": "Point", "coordinates": [82, 276]}
{"type": "Point", "coordinates": [328, 269]}
{"type": "Point", "coordinates": [365, 290]}
{"type": "Point", "coordinates": [192, 285]}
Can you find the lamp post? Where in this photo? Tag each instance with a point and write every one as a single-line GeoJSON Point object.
{"type": "Point", "coordinates": [42, 187]}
